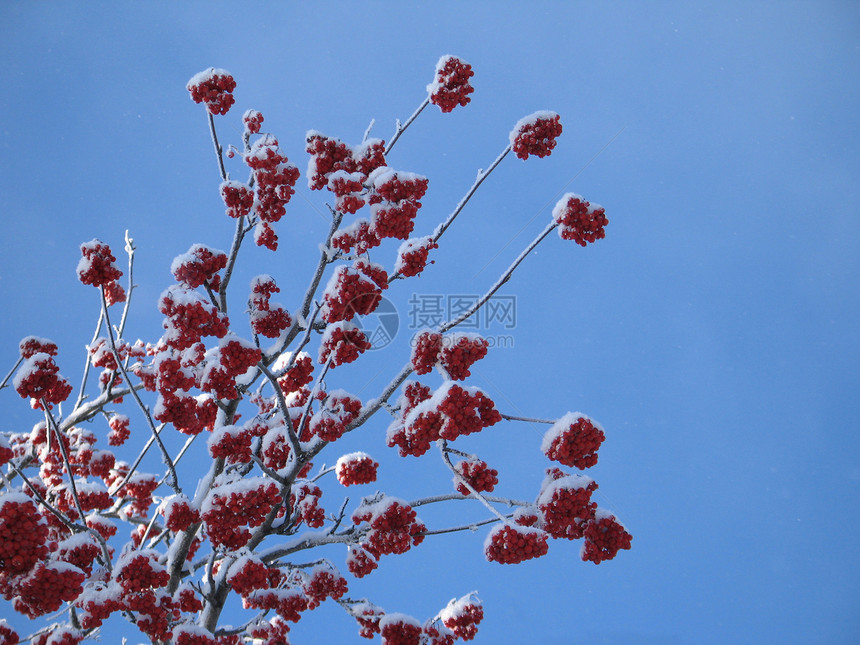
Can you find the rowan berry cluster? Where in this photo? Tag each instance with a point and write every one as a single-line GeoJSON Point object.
{"type": "Point", "coordinates": [214, 87]}
{"type": "Point", "coordinates": [39, 379]}
{"type": "Point", "coordinates": [330, 155]}
{"type": "Point", "coordinates": [450, 412]}
{"type": "Point", "coordinates": [579, 220]}
{"type": "Point", "coordinates": [238, 197]}
{"type": "Point", "coordinates": [253, 120]}
{"type": "Point", "coordinates": [536, 134]}
{"type": "Point", "coordinates": [248, 574]}
{"type": "Point", "coordinates": [190, 317]}
{"type": "Point", "coordinates": [399, 629]}
{"type": "Point", "coordinates": [228, 508]}
{"type": "Point", "coordinates": [451, 86]}
{"type": "Point", "coordinates": [178, 513]}
{"type": "Point", "coordinates": [23, 534]}
{"type": "Point", "coordinates": [356, 468]}
{"type": "Point", "coordinates": [355, 290]}
{"type": "Point", "coordinates": [604, 537]}
{"type": "Point", "coordinates": [479, 476]}
{"type": "Point", "coordinates": [454, 353]}
{"type": "Point", "coordinates": [45, 588]}
{"type": "Point", "coordinates": [573, 440]}
{"type": "Point", "coordinates": [97, 264]}
{"type": "Point", "coordinates": [338, 410]}
{"type": "Point", "coordinates": [199, 265]}
{"type": "Point", "coordinates": [232, 443]}
{"type": "Point", "coordinates": [297, 376]}
{"type": "Point", "coordinates": [342, 342]}
{"type": "Point", "coordinates": [324, 582]}
{"type": "Point", "coordinates": [395, 201]}
{"type": "Point", "coordinates": [565, 504]}
{"type": "Point", "coordinates": [140, 570]}
{"type": "Point", "coordinates": [412, 256]}
{"type": "Point", "coordinates": [304, 499]}
{"type": "Point", "coordinates": [274, 178]}
{"type": "Point", "coordinates": [512, 544]}
{"type": "Point", "coordinates": [463, 616]}
{"type": "Point", "coordinates": [394, 526]}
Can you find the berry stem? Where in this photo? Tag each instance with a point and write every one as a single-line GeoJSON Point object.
{"type": "Point", "coordinates": [173, 481]}
{"type": "Point", "coordinates": [14, 369]}
{"type": "Point", "coordinates": [219, 153]}
{"type": "Point", "coordinates": [502, 280]}
{"type": "Point", "coordinates": [88, 362]}
{"type": "Point", "coordinates": [400, 129]}
{"type": "Point", "coordinates": [510, 417]}
{"type": "Point", "coordinates": [443, 444]}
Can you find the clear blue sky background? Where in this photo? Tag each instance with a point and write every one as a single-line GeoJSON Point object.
{"type": "Point", "coordinates": [714, 332]}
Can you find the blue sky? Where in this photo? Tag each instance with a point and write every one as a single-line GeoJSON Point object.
{"type": "Point", "coordinates": [713, 333]}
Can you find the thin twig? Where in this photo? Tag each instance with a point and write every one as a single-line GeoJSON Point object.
{"type": "Point", "coordinates": [400, 129]}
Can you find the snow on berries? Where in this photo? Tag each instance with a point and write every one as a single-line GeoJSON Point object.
{"type": "Point", "coordinates": [178, 513]}
{"type": "Point", "coordinates": [412, 256]}
{"type": "Point", "coordinates": [342, 342]}
{"type": "Point", "coordinates": [579, 220]}
{"type": "Point", "coordinates": [394, 526]}
{"type": "Point", "coordinates": [454, 353]}
{"type": "Point", "coordinates": [356, 468]}
{"type": "Point", "coordinates": [565, 504]}
{"type": "Point", "coordinates": [451, 86]}
{"type": "Point", "coordinates": [190, 317]}
{"type": "Point", "coordinates": [38, 378]}
{"type": "Point", "coordinates": [214, 87]}
{"type": "Point", "coordinates": [198, 265]}
{"type": "Point", "coordinates": [252, 120]}
{"type": "Point", "coordinates": [323, 581]}
{"type": "Point", "coordinates": [399, 629]}
{"type": "Point", "coordinates": [23, 534]}
{"type": "Point", "coordinates": [479, 476]}
{"type": "Point", "coordinates": [232, 506]}
{"type": "Point", "coordinates": [512, 544]}
{"type": "Point", "coordinates": [97, 264]}
{"type": "Point", "coordinates": [30, 345]}
{"type": "Point", "coordinates": [450, 412]}
{"type": "Point", "coordinates": [535, 134]}
{"type": "Point", "coordinates": [604, 537]}
{"type": "Point", "coordinates": [573, 440]}
{"type": "Point", "coordinates": [353, 290]}
{"type": "Point", "coordinates": [238, 198]}
{"type": "Point", "coordinates": [463, 616]}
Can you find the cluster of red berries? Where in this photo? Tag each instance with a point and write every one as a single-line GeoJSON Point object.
{"type": "Point", "coordinates": [187, 634]}
{"type": "Point", "coordinates": [38, 379]}
{"type": "Point", "coordinates": [579, 220]}
{"type": "Point", "coordinates": [242, 503]}
{"type": "Point", "coordinates": [338, 410]}
{"type": "Point", "coordinates": [342, 342]}
{"type": "Point", "coordinates": [355, 290]}
{"type": "Point", "coordinates": [573, 440]}
{"type": "Point", "coordinates": [248, 574]}
{"type": "Point", "coordinates": [536, 134]}
{"type": "Point", "coordinates": [480, 476]}
{"type": "Point", "coordinates": [232, 443]}
{"type": "Point", "coordinates": [395, 201]}
{"type": "Point", "coordinates": [451, 86]}
{"type": "Point", "coordinates": [46, 588]}
{"type": "Point", "coordinates": [214, 87]}
{"type": "Point", "coordinates": [413, 254]}
{"type": "Point", "coordinates": [604, 537]}
{"type": "Point", "coordinates": [96, 266]}
{"type": "Point", "coordinates": [360, 563]}
{"type": "Point", "coordinates": [97, 602]}
{"type": "Point", "coordinates": [347, 188]}
{"type": "Point", "coordinates": [274, 178]}
{"type": "Point", "coordinates": [252, 120]}
{"type": "Point", "coordinates": [399, 629]}
{"type": "Point", "coordinates": [288, 603]}
{"type": "Point", "coordinates": [565, 504]}
{"type": "Point", "coordinates": [450, 412]}
{"type": "Point", "coordinates": [360, 234]}
{"type": "Point", "coordinates": [140, 570]}
{"type": "Point", "coordinates": [30, 345]}
{"type": "Point", "coordinates": [304, 499]}
{"type": "Point", "coordinates": [237, 356]}
{"type": "Point", "coordinates": [178, 513]}
{"type": "Point", "coordinates": [512, 544]}
{"type": "Point", "coordinates": [330, 155]}
{"type": "Point", "coordinates": [356, 468]}
{"type": "Point", "coordinates": [8, 636]}
{"type": "Point", "coordinates": [463, 616]}
{"type": "Point", "coordinates": [238, 197]}
{"type": "Point", "coordinates": [59, 636]}
{"type": "Point", "coordinates": [200, 264]}
{"type": "Point", "coordinates": [189, 318]}
{"type": "Point", "coordinates": [394, 526]}
{"type": "Point", "coordinates": [324, 582]}
{"type": "Point", "coordinates": [454, 353]}
{"type": "Point", "coordinates": [23, 534]}
{"type": "Point", "coordinates": [101, 354]}
{"type": "Point", "coordinates": [299, 375]}
{"type": "Point", "coordinates": [188, 414]}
